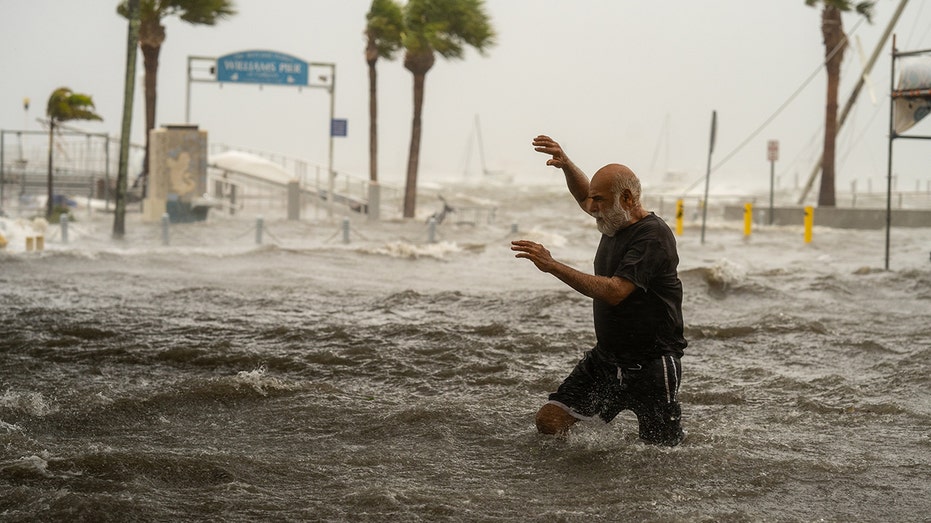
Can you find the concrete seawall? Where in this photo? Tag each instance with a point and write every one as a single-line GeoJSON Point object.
{"type": "Point", "coordinates": [842, 218]}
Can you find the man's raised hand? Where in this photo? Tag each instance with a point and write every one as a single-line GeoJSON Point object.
{"type": "Point", "coordinates": [546, 145]}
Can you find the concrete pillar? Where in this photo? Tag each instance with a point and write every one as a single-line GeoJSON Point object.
{"type": "Point", "coordinates": [177, 172]}
{"type": "Point", "coordinates": [165, 221]}
{"type": "Point", "coordinates": [294, 200]}
{"type": "Point", "coordinates": [63, 221]}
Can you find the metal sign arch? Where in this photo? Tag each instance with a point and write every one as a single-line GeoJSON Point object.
{"type": "Point", "coordinates": [265, 67]}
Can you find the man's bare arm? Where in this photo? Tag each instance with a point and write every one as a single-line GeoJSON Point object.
{"type": "Point", "coordinates": [576, 180]}
{"type": "Point", "coordinates": [611, 290]}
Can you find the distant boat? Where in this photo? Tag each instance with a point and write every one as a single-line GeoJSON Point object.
{"type": "Point", "coordinates": [487, 174]}
{"type": "Point", "coordinates": [671, 180]}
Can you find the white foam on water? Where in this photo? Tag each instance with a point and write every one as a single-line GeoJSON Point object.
{"type": "Point", "coordinates": [10, 427]}
{"type": "Point", "coordinates": [726, 274]}
{"type": "Point", "coordinates": [403, 249]}
{"type": "Point", "coordinates": [259, 380]}
{"type": "Point", "coordinates": [32, 403]}
{"type": "Point", "coordinates": [31, 464]}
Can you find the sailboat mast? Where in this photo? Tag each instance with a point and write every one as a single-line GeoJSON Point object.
{"type": "Point", "coordinates": [481, 146]}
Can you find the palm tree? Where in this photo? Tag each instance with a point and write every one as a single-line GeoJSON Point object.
{"type": "Point", "coordinates": [835, 43]}
{"type": "Point", "coordinates": [384, 26]}
{"type": "Point", "coordinates": [152, 35]}
{"type": "Point", "coordinates": [64, 105]}
{"type": "Point", "coordinates": [431, 27]}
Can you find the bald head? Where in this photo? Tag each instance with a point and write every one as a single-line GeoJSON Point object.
{"type": "Point", "coordinates": [619, 181]}
{"type": "Point", "coordinates": [614, 198]}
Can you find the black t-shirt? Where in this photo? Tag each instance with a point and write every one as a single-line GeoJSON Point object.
{"type": "Point", "coordinates": [648, 323]}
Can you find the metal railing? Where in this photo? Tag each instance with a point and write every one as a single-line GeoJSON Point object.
{"type": "Point", "coordinates": [350, 191]}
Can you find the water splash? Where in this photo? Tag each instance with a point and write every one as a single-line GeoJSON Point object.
{"type": "Point", "coordinates": [30, 403]}
{"type": "Point", "coordinates": [403, 249]}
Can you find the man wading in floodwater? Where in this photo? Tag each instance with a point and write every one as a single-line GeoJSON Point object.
{"type": "Point", "coordinates": [637, 299]}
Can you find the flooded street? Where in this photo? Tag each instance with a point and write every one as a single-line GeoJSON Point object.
{"type": "Point", "coordinates": [392, 379]}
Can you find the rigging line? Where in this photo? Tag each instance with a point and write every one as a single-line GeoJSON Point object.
{"type": "Point", "coordinates": [808, 149]}
{"type": "Point", "coordinates": [664, 132]}
{"type": "Point", "coordinates": [781, 108]}
{"type": "Point", "coordinates": [856, 139]}
{"type": "Point", "coordinates": [911, 34]}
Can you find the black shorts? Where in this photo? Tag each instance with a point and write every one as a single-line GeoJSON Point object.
{"type": "Point", "coordinates": [596, 388]}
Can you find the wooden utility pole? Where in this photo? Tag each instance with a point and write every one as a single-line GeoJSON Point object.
{"type": "Point", "coordinates": [132, 42]}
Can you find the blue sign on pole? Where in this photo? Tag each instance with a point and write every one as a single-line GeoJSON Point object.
{"type": "Point", "coordinates": [262, 67]}
{"type": "Point", "coordinates": [339, 127]}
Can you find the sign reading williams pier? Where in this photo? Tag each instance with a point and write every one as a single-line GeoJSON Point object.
{"type": "Point", "coordinates": [262, 67]}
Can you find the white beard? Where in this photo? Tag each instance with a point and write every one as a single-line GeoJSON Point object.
{"type": "Point", "coordinates": [613, 220]}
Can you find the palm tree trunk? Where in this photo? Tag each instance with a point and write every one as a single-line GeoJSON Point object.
{"type": "Point", "coordinates": [150, 60]}
{"type": "Point", "coordinates": [51, 154]}
{"type": "Point", "coordinates": [833, 32]}
{"type": "Point", "coordinates": [413, 159]}
{"type": "Point", "coordinates": [150, 54]}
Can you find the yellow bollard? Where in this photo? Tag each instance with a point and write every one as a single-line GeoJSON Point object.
{"type": "Point", "coordinates": [30, 243]}
{"type": "Point", "coordinates": [40, 243]}
{"type": "Point", "coordinates": [680, 215]}
{"type": "Point", "coordinates": [2, 241]}
{"type": "Point", "coordinates": [748, 219]}
{"type": "Point", "coordinates": [809, 221]}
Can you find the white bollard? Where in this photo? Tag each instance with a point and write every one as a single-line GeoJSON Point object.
{"type": "Point", "coordinates": [165, 221]}
{"type": "Point", "coordinates": [259, 225]}
{"type": "Point", "coordinates": [63, 221]}
{"type": "Point", "coordinates": [294, 201]}
{"type": "Point", "coordinates": [345, 230]}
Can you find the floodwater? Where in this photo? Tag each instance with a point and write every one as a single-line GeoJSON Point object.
{"type": "Point", "coordinates": [392, 379]}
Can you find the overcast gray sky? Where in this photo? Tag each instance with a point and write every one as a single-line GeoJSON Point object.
{"type": "Point", "coordinates": [625, 81]}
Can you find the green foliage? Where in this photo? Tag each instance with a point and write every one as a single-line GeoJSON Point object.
{"type": "Point", "coordinates": [385, 27]}
{"type": "Point", "coordinates": [64, 105]}
{"type": "Point", "coordinates": [447, 26]}
{"type": "Point", "coordinates": [58, 211]}
{"type": "Point", "coordinates": [862, 8]}
{"type": "Point", "coordinates": [197, 12]}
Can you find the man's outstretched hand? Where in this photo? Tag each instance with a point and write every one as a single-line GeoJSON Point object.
{"type": "Point", "coordinates": [546, 145]}
{"type": "Point", "coordinates": [534, 252]}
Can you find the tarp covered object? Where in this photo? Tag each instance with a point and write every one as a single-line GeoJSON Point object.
{"type": "Point", "coordinates": [913, 100]}
{"type": "Point", "coordinates": [251, 165]}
